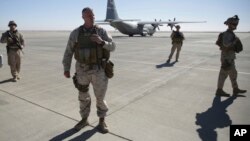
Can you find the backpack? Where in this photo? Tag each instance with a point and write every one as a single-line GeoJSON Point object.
{"type": "Point", "coordinates": [238, 47]}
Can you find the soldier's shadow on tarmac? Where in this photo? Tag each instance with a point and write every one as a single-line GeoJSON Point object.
{"type": "Point", "coordinates": [83, 137]}
{"type": "Point", "coordinates": [215, 117]}
{"type": "Point", "coordinates": [6, 81]}
{"type": "Point", "coordinates": [165, 65]}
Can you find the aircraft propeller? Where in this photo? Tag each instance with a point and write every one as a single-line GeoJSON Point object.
{"type": "Point", "coordinates": [157, 25]}
{"type": "Point", "coordinates": [171, 25]}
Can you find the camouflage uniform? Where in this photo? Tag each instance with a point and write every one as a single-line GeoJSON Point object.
{"type": "Point", "coordinates": [229, 44]}
{"type": "Point", "coordinates": [227, 61]}
{"type": "Point", "coordinates": [13, 51]}
{"type": "Point", "coordinates": [177, 41]}
{"type": "Point", "coordinates": [87, 74]}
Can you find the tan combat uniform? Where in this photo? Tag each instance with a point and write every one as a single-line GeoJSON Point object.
{"type": "Point", "coordinates": [86, 73]}
{"type": "Point", "coordinates": [13, 51]}
{"type": "Point", "coordinates": [229, 45]}
{"type": "Point", "coordinates": [177, 41]}
{"type": "Point", "coordinates": [227, 60]}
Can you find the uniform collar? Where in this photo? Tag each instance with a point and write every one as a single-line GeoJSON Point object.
{"type": "Point", "coordinates": [91, 29]}
{"type": "Point", "coordinates": [13, 31]}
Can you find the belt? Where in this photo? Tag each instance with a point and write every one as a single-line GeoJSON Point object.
{"type": "Point", "coordinates": [89, 67]}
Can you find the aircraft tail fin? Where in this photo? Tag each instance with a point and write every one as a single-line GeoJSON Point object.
{"type": "Point", "coordinates": [111, 11]}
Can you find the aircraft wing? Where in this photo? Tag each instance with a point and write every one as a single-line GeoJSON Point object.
{"type": "Point", "coordinates": [102, 22]}
{"type": "Point", "coordinates": [126, 20]}
{"type": "Point", "coordinates": [167, 22]}
{"type": "Point", "coordinates": [108, 21]}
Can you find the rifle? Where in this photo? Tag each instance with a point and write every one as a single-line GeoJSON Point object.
{"type": "Point", "coordinates": [16, 41]}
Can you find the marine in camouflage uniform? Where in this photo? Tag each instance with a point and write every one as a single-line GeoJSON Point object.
{"type": "Point", "coordinates": [15, 43]}
{"type": "Point", "coordinates": [228, 56]}
{"type": "Point", "coordinates": [177, 41]}
{"type": "Point", "coordinates": [85, 43]}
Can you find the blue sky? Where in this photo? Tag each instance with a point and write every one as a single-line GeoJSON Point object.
{"type": "Point", "coordinates": [66, 14]}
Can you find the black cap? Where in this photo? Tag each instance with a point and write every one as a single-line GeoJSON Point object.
{"type": "Point", "coordinates": [12, 23]}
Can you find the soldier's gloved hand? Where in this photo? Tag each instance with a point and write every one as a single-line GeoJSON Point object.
{"type": "Point", "coordinates": [67, 74]}
{"type": "Point", "coordinates": [96, 38]}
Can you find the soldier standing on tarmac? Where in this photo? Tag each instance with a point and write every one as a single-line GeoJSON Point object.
{"type": "Point", "coordinates": [15, 44]}
{"type": "Point", "coordinates": [229, 44]}
{"type": "Point", "coordinates": [177, 41]}
{"type": "Point", "coordinates": [86, 42]}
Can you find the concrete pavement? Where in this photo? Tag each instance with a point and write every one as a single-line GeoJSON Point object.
{"type": "Point", "coordinates": [149, 100]}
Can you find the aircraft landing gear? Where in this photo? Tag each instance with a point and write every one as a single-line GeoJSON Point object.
{"type": "Point", "coordinates": [130, 35]}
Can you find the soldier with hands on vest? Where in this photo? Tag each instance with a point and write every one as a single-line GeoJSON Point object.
{"type": "Point", "coordinates": [177, 41]}
{"type": "Point", "coordinates": [15, 44]}
{"type": "Point", "coordinates": [229, 44]}
{"type": "Point", "coordinates": [89, 44]}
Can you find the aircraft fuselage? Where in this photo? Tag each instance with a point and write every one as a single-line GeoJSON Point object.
{"type": "Point", "coordinates": [133, 28]}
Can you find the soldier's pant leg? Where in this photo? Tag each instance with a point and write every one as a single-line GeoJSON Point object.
{"type": "Point", "coordinates": [172, 51]}
{"type": "Point", "coordinates": [100, 83]}
{"type": "Point", "coordinates": [84, 97]}
{"type": "Point", "coordinates": [222, 77]}
{"type": "Point", "coordinates": [178, 51]}
{"type": "Point", "coordinates": [85, 104]}
{"type": "Point", "coordinates": [233, 76]}
{"type": "Point", "coordinates": [12, 62]}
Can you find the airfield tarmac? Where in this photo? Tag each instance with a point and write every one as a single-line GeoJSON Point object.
{"type": "Point", "coordinates": [148, 99]}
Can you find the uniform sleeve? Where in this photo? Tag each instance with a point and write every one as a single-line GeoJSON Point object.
{"type": "Point", "coordinates": [4, 37]}
{"type": "Point", "coordinates": [69, 51]}
{"type": "Point", "coordinates": [22, 40]}
{"type": "Point", "coordinates": [183, 36]}
{"type": "Point", "coordinates": [109, 44]}
{"type": "Point", "coordinates": [172, 35]}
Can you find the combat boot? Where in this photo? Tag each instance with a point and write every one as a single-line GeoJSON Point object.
{"type": "Point", "coordinates": [102, 127]}
{"type": "Point", "coordinates": [168, 61]}
{"type": "Point", "coordinates": [237, 91]}
{"type": "Point", "coordinates": [220, 92]}
{"type": "Point", "coordinates": [84, 122]}
{"type": "Point", "coordinates": [15, 79]}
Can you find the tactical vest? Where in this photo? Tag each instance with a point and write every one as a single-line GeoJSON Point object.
{"type": "Point", "coordinates": [15, 42]}
{"type": "Point", "coordinates": [88, 52]}
{"type": "Point", "coordinates": [177, 37]}
{"type": "Point", "coordinates": [238, 47]}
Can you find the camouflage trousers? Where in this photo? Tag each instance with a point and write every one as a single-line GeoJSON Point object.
{"type": "Point", "coordinates": [14, 61]}
{"type": "Point", "coordinates": [96, 76]}
{"type": "Point", "coordinates": [227, 69]}
{"type": "Point", "coordinates": [174, 47]}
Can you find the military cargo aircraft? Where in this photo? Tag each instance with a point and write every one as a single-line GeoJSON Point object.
{"type": "Point", "coordinates": [132, 27]}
